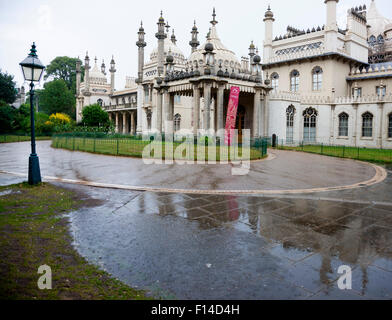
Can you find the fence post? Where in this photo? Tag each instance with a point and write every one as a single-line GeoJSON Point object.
{"type": "Point", "coordinates": [358, 154]}
{"type": "Point", "coordinates": [73, 143]}
{"type": "Point", "coordinates": [321, 148]}
{"type": "Point", "coordinates": [94, 144]}
{"type": "Point", "coordinates": [344, 149]}
{"type": "Point", "coordinates": [117, 144]}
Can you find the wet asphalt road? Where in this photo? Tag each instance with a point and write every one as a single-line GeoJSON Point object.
{"type": "Point", "coordinates": [187, 246]}
{"type": "Point", "coordinates": [290, 170]}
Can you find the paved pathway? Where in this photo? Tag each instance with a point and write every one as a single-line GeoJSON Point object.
{"type": "Point", "coordinates": [288, 172]}
{"type": "Point", "coordinates": [195, 246]}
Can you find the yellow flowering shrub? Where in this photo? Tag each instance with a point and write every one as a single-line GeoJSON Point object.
{"type": "Point", "coordinates": [60, 118]}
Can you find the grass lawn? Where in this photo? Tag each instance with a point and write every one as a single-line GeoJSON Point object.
{"type": "Point", "coordinates": [134, 148]}
{"type": "Point", "coordinates": [34, 232]}
{"type": "Point", "coordinates": [365, 154]}
{"type": "Point", "coordinates": [15, 138]}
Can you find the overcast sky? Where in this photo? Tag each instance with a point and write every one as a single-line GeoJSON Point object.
{"type": "Point", "coordinates": [70, 28]}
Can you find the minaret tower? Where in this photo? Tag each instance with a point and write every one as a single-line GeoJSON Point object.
{"type": "Point", "coordinates": [331, 27]}
{"type": "Point", "coordinates": [161, 36]}
{"type": "Point", "coordinates": [269, 22]}
{"type": "Point", "coordinates": [140, 44]}
{"type": "Point", "coordinates": [252, 53]}
{"type": "Point", "coordinates": [112, 73]}
{"type": "Point", "coordinates": [103, 67]}
{"type": "Point", "coordinates": [78, 76]}
{"type": "Point", "coordinates": [194, 43]}
{"type": "Point", "coordinates": [87, 74]}
{"type": "Point", "coordinates": [173, 37]}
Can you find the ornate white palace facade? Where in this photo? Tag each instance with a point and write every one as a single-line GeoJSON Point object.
{"type": "Point", "coordinates": [323, 84]}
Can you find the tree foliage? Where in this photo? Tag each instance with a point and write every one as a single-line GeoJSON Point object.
{"type": "Point", "coordinates": [94, 116]}
{"type": "Point", "coordinates": [8, 91]}
{"type": "Point", "coordinates": [57, 98]}
{"type": "Point", "coordinates": [7, 117]}
{"type": "Point", "coordinates": [63, 68]}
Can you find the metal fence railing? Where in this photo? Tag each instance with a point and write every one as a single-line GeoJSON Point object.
{"type": "Point", "coordinates": [341, 151]}
{"type": "Point", "coordinates": [125, 145]}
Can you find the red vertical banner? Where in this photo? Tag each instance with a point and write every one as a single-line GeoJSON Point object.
{"type": "Point", "coordinates": [231, 113]}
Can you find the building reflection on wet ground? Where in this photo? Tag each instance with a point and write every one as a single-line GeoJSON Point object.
{"type": "Point", "coordinates": [192, 246]}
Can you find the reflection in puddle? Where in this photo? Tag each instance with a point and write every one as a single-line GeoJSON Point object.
{"type": "Point", "coordinates": [305, 240]}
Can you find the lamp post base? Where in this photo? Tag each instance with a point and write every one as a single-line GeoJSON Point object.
{"type": "Point", "coordinates": [34, 170]}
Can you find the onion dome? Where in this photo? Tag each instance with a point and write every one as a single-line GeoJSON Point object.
{"type": "Point", "coordinates": [169, 58]}
{"type": "Point", "coordinates": [256, 59]}
{"type": "Point", "coordinates": [222, 55]}
{"type": "Point", "coordinates": [209, 47]}
{"type": "Point", "coordinates": [96, 75]}
{"type": "Point", "coordinates": [268, 13]}
{"type": "Point", "coordinates": [169, 48]}
{"type": "Point", "coordinates": [220, 73]}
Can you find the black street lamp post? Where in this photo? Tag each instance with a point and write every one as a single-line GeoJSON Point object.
{"type": "Point", "coordinates": [32, 69]}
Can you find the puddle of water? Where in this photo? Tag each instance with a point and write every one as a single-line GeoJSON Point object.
{"type": "Point", "coordinates": [7, 192]}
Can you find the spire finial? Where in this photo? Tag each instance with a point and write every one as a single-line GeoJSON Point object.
{"type": "Point", "coordinates": [167, 27]}
{"type": "Point", "coordinates": [214, 22]}
{"type": "Point", "coordinates": [173, 37]}
{"type": "Point", "coordinates": [95, 59]}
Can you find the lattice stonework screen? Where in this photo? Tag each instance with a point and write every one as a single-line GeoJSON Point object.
{"type": "Point", "coordinates": [310, 122]}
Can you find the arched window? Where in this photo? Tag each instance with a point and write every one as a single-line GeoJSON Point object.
{"type": "Point", "coordinates": [149, 117]}
{"type": "Point", "coordinates": [380, 39]}
{"type": "Point", "coordinates": [290, 111]}
{"type": "Point", "coordinates": [317, 74]}
{"type": "Point", "coordinates": [372, 40]}
{"type": "Point", "coordinates": [100, 102]}
{"type": "Point", "coordinates": [390, 125]}
{"type": "Point", "coordinates": [294, 81]}
{"type": "Point", "coordinates": [367, 124]}
{"type": "Point", "coordinates": [343, 124]}
{"type": "Point", "coordinates": [275, 81]}
{"type": "Point", "coordinates": [177, 122]}
{"type": "Point", "coordinates": [310, 121]}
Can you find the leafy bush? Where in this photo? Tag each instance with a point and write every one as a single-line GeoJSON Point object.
{"type": "Point", "coordinates": [58, 122]}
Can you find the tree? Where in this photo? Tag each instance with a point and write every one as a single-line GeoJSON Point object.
{"type": "Point", "coordinates": [63, 68]}
{"type": "Point", "coordinates": [22, 119]}
{"type": "Point", "coordinates": [7, 88]}
{"type": "Point", "coordinates": [7, 117]}
{"type": "Point", "coordinates": [56, 97]}
{"type": "Point", "coordinates": [94, 116]}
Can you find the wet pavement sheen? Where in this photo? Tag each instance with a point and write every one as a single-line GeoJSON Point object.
{"type": "Point", "coordinates": [191, 246]}
{"type": "Point", "coordinates": [180, 246]}
{"type": "Point", "coordinates": [290, 170]}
